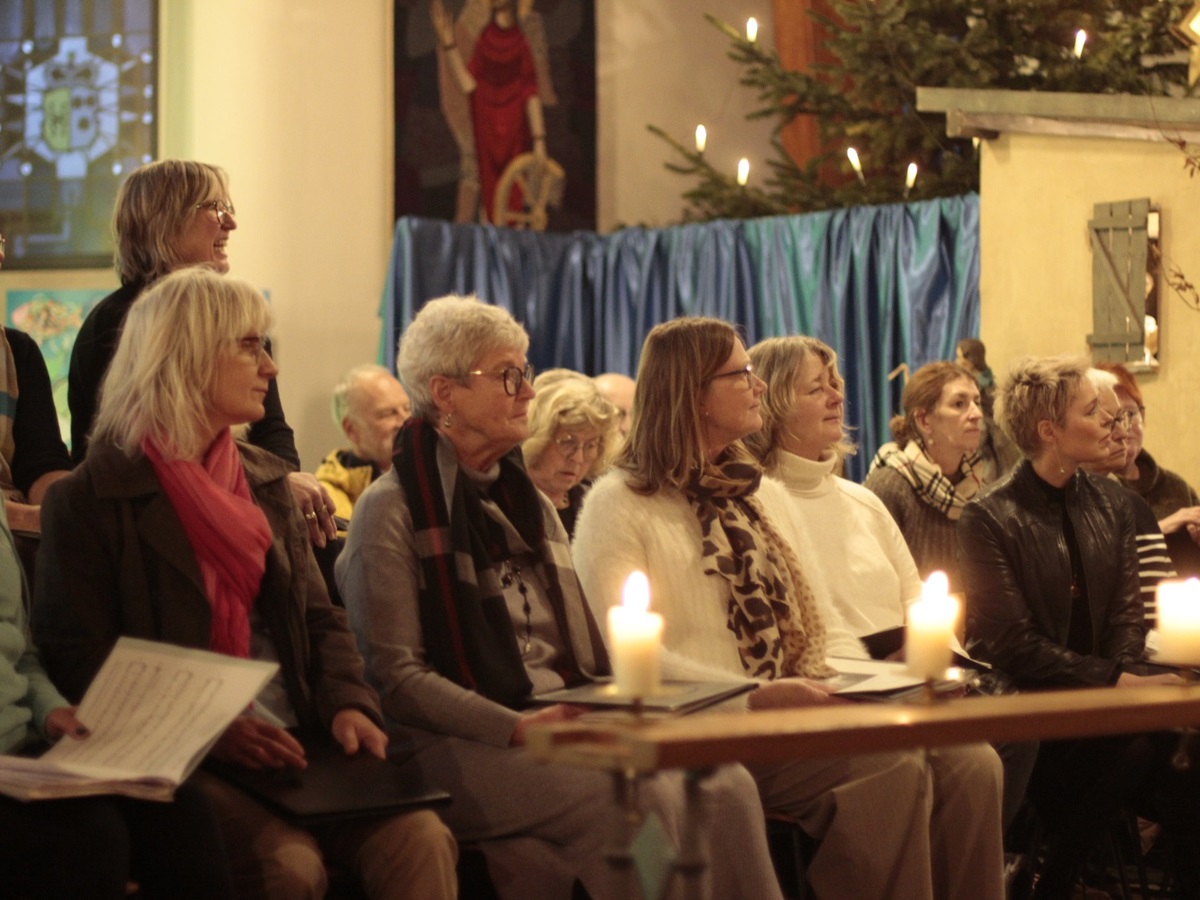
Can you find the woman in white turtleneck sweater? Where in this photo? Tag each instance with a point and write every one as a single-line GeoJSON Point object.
{"type": "Point", "coordinates": [865, 559]}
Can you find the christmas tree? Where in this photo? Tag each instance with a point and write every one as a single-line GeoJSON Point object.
{"type": "Point", "coordinates": [865, 97]}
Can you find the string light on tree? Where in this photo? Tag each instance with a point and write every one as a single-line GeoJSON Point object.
{"type": "Point", "coordinates": [743, 174]}
{"type": "Point", "coordinates": [701, 138]}
{"type": "Point", "coordinates": [1080, 40]}
{"type": "Point", "coordinates": [910, 178]}
{"type": "Point", "coordinates": [855, 164]}
{"type": "Point", "coordinates": [752, 29]}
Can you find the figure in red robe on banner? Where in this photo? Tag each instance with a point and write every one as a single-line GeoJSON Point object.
{"type": "Point", "coordinates": [493, 101]}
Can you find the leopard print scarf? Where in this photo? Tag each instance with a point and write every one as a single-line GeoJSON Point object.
{"type": "Point", "coordinates": [772, 610]}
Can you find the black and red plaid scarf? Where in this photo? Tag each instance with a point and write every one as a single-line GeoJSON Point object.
{"type": "Point", "coordinates": [468, 634]}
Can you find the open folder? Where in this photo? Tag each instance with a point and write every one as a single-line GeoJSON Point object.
{"type": "Point", "coordinates": [154, 711]}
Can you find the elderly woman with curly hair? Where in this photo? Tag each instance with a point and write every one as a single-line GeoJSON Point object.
{"type": "Point", "coordinates": [458, 579]}
{"type": "Point", "coordinates": [170, 531]}
{"type": "Point", "coordinates": [170, 214]}
{"type": "Point", "coordinates": [742, 596]}
{"type": "Point", "coordinates": [571, 430]}
{"type": "Point", "coordinates": [1050, 569]}
{"type": "Point", "coordinates": [928, 473]}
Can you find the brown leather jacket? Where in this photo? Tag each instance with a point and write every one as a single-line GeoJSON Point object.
{"type": "Point", "coordinates": [1017, 577]}
{"type": "Point", "coordinates": [115, 561]}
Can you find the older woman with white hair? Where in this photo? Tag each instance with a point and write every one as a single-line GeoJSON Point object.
{"type": "Point", "coordinates": [571, 431]}
{"type": "Point", "coordinates": [170, 531]}
{"type": "Point", "coordinates": [459, 582]}
{"type": "Point", "coordinates": [1050, 569]}
{"type": "Point", "coordinates": [735, 579]}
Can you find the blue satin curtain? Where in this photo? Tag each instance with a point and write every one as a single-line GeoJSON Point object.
{"type": "Point", "coordinates": [883, 285]}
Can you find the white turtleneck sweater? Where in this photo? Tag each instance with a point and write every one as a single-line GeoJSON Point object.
{"type": "Point", "coordinates": [619, 531]}
{"type": "Point", "coordinates": [862, 554]}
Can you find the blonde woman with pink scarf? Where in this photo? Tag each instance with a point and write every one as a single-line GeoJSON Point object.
{"type": "Point", "coordinates": [171, 531]}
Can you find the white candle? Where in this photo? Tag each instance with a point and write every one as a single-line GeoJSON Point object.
{"type": "Point", "coordinates": [1179, 622]}
{"type": "Point", "coordinates": [634, 638]}
{"type": "Point", "coordinates": [752, 29]}
{"type": "Point", "coordinates": [701, 138]}
{"type": "Point", "coordinates": [930, 624]}
{"type": "Point", "coordinates": [743, 171]}
{"type": "Point", "coordinates": [1080, 40]}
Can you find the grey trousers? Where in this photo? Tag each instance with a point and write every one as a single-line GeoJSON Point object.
{"type": "Point", "coordinates": [914, 824]}
{"type": "Point", "coordinates": [542, 826]}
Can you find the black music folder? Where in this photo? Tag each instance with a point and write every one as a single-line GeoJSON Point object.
{"type": "Point", "coordinates": [334, 787]}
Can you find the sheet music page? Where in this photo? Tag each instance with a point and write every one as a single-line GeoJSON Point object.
{"type": "Point", "coordinates": [154, 708]}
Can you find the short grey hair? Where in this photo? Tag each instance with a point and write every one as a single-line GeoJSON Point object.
{"type": "Point", "coordinates": [447, 337]}
{"type": "Point", "coordinates": [343, 392]}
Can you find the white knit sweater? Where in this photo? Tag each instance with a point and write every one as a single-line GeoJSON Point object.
{"type": "Point", "coordinates": [858, 546]}
{"type": "Point", "coordinates": [619, 531]}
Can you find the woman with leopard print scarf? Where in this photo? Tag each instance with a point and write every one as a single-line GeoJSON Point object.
{"type": "Point", "coordinates": [734, 578]}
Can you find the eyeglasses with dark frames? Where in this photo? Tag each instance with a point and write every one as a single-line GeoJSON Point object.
{"type": "Point", "coordinates": [512, 376]}
{"type": "Point", "coordinates": [223, 210]}
{"type": "Point", "coordinates": [747, 373]}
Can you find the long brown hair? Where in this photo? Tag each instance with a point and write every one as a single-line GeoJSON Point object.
{"type": "Point", "coordinates": [666, 444]}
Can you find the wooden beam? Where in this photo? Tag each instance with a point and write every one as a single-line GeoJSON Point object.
{"type": "Point", "coordinates": [703, 741]}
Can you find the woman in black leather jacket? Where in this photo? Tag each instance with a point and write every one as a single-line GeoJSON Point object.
{"type": "Point", "coordinates": [1051, 576]}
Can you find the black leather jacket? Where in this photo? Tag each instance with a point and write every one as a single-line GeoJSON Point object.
{"type": "Point", "coordinates": [1017, 577]}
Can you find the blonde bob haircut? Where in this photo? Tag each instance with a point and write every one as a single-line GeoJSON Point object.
{"type": "Point", "coordinates": [566, 399]}
{"type": "Point", "coordinates": [779, 362]}
{"type": "Point", "coordinates": [154, 205]}
{"type": "Point", "coordinates": [666, 443]}
{"type": "Point", "coordinates": [1038, 389]}
{"type": "Point", "coordinates": [449, 336]}
{"type": "Point", "coordinates": [161, 380]}
{"type": "Point", "coordinates": [921, 395]}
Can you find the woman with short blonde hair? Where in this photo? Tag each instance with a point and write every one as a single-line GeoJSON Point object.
{"type": "Point", "coordinates": [1050, 569]}
{"type": "Point", "coordinates": [571, 432]}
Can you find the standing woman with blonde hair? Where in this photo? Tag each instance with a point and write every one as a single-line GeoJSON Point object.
{"type": "Point", "coordinates": [170, 214]}
{"type": "Point", "coordinates": [736, 581]}
{"type": "Point", "coordinates": [931, 470]}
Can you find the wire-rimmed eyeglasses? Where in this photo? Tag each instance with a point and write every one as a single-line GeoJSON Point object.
{"type": "Point", "coordinates": [223, 210]}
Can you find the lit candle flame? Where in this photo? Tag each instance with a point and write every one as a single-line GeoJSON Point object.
{"type": "Point", "coordinates": [855, 164]}
{"type": "Point", "coordinates": [743, 171]}
{"type": "Point", "coordinates": [936, 585]}
{"type": "Point", "coordinates": [1080, 40]}
{"type": "Point", "coordinates": [701, 138]}
{"type": "Point", "coordinates": [911, 177]}
{"type": "Point", "coordinates": [636, 593]}
{"type": "Point", "coordinates": [752, 29]}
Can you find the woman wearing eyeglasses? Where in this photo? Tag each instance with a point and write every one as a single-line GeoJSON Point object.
{"type": "Point", "coordinates": [742, 597]}
{"type": "Point", "coordinates": [170, 214]}
{"type": "Point", "coordinates": [1174, 501]}
{"type": "Point", "coordinates": [458, 579]}
{"type": "Point", "coordinates": [171, 531]}
{"type": "Point", "coordinates": [571, 427]}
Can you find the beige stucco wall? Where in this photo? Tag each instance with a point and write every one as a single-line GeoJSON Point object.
{"type": "Point", "coordinates": [1037, 195]}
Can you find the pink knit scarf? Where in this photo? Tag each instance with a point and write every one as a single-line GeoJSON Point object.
{"type": "Point", "coordinates": [228, 532]}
